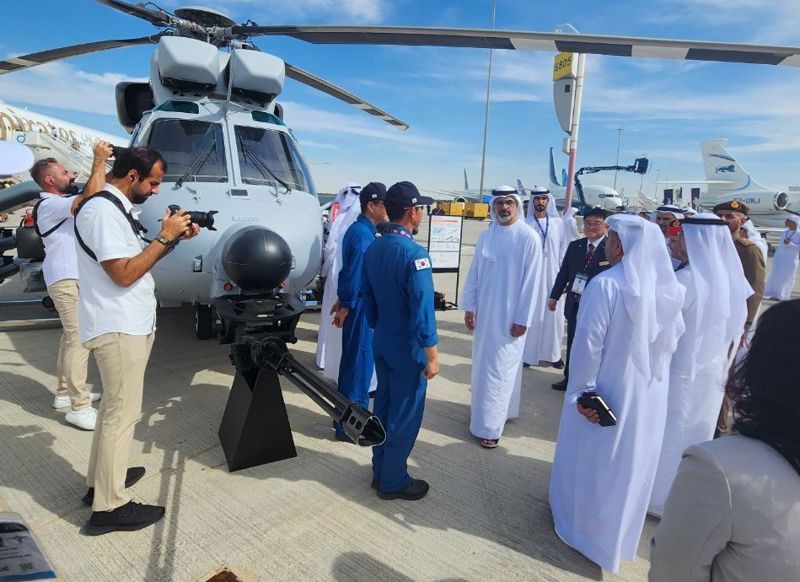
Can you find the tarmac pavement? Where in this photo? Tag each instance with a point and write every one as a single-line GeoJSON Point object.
{"type": "Point", "coordinates": [313, 517]}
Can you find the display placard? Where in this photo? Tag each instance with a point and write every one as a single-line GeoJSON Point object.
{"type": "Point", "coordinates": [444, 242]}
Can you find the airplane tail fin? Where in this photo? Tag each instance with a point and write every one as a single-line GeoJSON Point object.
{"type": "Point", "coordinates": [553, 178]}
{"type": "Point", "coordinates": [466, 183]}
{"type": "Point", "coordinates": [720, 165]}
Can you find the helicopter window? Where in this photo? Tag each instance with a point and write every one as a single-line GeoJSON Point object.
{"type": "Point", "coordinates": [187, 142]}
{"type": "Point", "coordinates": [265, 117]}
{"type": "Point", "coordinates": [179, 106]}
{"type": "Point", "coordinates": [278, 160]}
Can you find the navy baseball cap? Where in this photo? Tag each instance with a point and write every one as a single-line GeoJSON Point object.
{"type": "Point", "coordinates": [406, 195]}
{"type": "Point", "coordinates": [372, 192]}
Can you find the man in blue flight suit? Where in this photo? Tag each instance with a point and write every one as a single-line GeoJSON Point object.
{"type": "Point", "coordinates": [398, 301]}
{"type": "Point", "coordinates": [357, 363]}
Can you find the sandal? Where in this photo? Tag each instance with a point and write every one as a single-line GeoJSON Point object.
{"type": "Point", "coordinates": [489, 443]}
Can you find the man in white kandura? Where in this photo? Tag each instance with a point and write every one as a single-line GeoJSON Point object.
{"type": "Point", "coordinates": [343, 213]}
{"type": "Point", "coordinates": [784, 266]}
{"type": "Point", "coordinates": [714, 311]}
{"type": "Point", "coordinates": [498, 305]}
{"type": "Point", "coordinates": [628, 327]}
{"type": "Point", "coordinates": [546, 334]}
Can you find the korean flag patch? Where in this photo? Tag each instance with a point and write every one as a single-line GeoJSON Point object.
{"type": "Point", "coordinates": [422, 264]}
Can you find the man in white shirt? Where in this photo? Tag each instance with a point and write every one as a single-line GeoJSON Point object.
{"type": "Point", "coordinates": [55, 224]}
{"type": "Point", "coordinates": [117, 324]}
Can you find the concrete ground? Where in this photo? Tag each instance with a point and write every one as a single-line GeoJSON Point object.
{"type": "Point", "coordinates": [309, 518]}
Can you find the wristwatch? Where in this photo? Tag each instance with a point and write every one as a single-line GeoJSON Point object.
{"type": "Point", "coordinates": [163, 240]}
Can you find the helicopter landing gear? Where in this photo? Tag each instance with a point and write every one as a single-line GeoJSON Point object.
{"type": "Point", "coordinates": [203, 321]}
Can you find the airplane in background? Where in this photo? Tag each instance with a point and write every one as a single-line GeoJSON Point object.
{"type": "Point", "coordinates": [594, 194]}
{"type": "Point", "coordinates": [49, 137]}
{"type": "Point", "coordinates": [726, 180]}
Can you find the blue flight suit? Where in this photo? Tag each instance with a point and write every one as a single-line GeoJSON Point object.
{"type": "Point", "coordinates": [357, 363]}
{"type": "Point", "coordinates": [398, 301]}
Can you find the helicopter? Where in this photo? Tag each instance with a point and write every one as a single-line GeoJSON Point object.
{"type": "Point", "coordinates": [211, 109]}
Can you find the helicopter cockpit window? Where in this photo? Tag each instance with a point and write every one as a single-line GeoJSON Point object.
{"type": "Point", "coordinates": [270, 157]}
{"type": "Point", "coordinates": [188, 144]}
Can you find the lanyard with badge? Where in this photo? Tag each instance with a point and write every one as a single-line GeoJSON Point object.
{"type": "Point", "coordinates": [545, 230]}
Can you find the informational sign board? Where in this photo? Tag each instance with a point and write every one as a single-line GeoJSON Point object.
{"type": "Point", "coordinates": [444, 245]}
{"type": "Point", "coordinates": [444, 242]}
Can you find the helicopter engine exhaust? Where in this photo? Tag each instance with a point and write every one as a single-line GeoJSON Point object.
{"type": "Point", "coordinates": [257, 259]}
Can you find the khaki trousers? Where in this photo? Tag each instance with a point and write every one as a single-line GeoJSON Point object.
{"type": "Point", "coordinates": [73, 358]}
{"type": "Point", "coordinates": [121, 359]}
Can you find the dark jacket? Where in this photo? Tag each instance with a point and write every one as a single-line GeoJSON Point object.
{"type": "Point", "coordinates": [574, 263]}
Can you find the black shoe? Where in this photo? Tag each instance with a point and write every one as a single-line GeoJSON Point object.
{"type": "Point", "coordinates": [343, 438]}
{"type": "Point", "coordinates": [559, 365]}
{"type": "Point", "coordinates": [375, 484]}
{"type": "Point", "coordinates": [131, 478]}
{"type": "Point", "coordinates": [417, 489]}
{"type": "Point", "coordinates": [129, 517]}
{"type": "Point", "coordinates": [561, 386]}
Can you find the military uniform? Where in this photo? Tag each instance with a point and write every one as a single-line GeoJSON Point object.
{"type": "Point", "coordinates": [754, 271]}
{"type": "Point", "coordinates": [398, 303]}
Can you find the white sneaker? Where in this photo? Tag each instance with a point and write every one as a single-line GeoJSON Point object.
{"type": "Point", "coordinates": [84, 419]}
{"type": "Point", "coordinates": [64, 401]}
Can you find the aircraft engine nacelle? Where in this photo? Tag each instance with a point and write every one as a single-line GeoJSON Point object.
{"type": "Point", "coordinates": [781, 201]}
{"type": "Point", "coordinates": [133, 99]}
{"type": "Point", "coordinates": [257, 259]}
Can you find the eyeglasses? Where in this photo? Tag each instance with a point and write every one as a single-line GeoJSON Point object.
{"type": "Point", "coordinates": [505, 202]}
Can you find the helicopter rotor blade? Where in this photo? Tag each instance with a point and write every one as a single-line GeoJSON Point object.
{"type": "Point", "coordinates": [625, 46]}
{"type": "Point", "coordinates": [34, 59]}
{"type": "Point", "coordinates": [155, 17]}
{"type": "Point", "coordinates": [321, 84]}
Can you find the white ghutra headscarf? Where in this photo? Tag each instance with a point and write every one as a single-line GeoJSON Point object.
{"type": "Point", "coordinates": [652, 296]}
{"type": "Point", "coordinates": [722, 289]}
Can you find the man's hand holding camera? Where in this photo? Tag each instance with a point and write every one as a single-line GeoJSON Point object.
{"type": "Point", "coordinates": [178, 226]}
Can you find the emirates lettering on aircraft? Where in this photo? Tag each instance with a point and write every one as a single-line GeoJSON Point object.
{"type": "Point", "coordinates": [15, 124]}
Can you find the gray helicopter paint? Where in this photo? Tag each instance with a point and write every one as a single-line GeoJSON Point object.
{"type": "Point", "coordinates": [294, 214]}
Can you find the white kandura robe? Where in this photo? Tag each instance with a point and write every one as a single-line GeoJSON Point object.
{"type": "Point", "coordinates": [784, 267]}
{"type": "Point", "coordinates": [546, 334]}
{"type": "Point", "coordinates": [602, 476]}
{"type": "Point", "coordinates": [329, 339]}
{"type": "Point", "coordinates": [499, 289]}
{"type": "Point", "coordinates": [692, 403]}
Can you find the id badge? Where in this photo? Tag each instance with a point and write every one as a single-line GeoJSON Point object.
{"type": "Point", "coordinates": [580, 283]}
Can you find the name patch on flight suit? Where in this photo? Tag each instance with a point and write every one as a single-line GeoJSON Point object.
{"type": "Point", "coordinates": [422, 264]}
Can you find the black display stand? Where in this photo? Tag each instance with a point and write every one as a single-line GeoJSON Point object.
{"type": "Point", "coordinates": [255, 427]}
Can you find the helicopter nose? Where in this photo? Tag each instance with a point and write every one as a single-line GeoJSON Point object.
{"type": "Point", "coordinates": [257, 259]}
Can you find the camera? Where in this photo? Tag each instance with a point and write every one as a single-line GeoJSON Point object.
{"type": "Point", "coordinates": [201, 219]}
{"type": "Point", "coordinates": [116, 151]}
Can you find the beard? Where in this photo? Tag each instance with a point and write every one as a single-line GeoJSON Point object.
{"type": "Point", "coordinates": [540, 207]}
{"type": "Point", "coordinates": [139, 198]}
{"type": "Point", "coordinates": [504, 217]}
{"type": "Point", "coordinates": [415, 231]}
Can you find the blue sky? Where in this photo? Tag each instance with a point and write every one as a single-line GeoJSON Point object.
{"type": "Point", "coordinates": [665, 107]}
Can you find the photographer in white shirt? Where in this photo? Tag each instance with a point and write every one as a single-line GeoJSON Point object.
{"type": "Point", "coordinates": [117, 324]}
{"type": "Point", "coordinates": [55, 223]}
